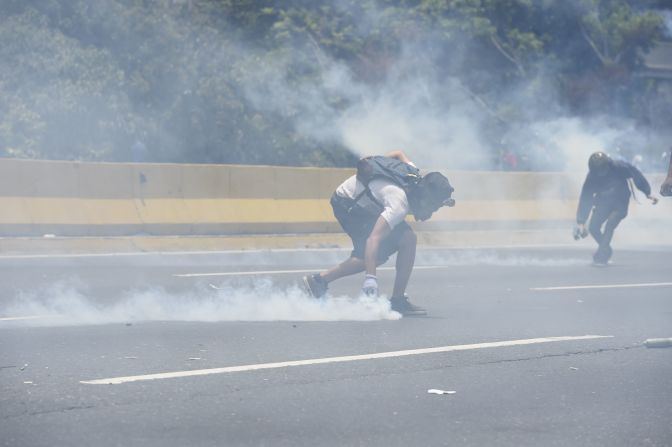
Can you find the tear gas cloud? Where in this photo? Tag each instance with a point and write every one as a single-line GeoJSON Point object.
{"type": "Point", "coordinates": [424, 108]}
{"type": "Point", "coordinates": [667, 15]}
{"type": "Point", "coordinates": [69, 303]}
{"type": "Point", "coordinates": [419, 104]}
{"type": "Point", "coordinates": [74, 302]}
{"type": "Point", "coordinates": [433, 120]}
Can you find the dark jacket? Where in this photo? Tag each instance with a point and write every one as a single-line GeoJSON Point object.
{"type": "Point", "coordinates": [610, 189]}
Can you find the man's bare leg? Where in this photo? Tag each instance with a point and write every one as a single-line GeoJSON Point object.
{"type": "Point", "coordinates": [346, 268]}
{"type": "Point", "coordinates": [405, 262]}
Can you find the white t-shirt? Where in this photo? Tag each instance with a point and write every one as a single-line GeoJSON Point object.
{"type": "Point", "coordinates": [391, 196]}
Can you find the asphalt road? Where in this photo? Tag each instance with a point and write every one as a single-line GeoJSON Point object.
{"type": "Point", "coordinates": [203, 350]}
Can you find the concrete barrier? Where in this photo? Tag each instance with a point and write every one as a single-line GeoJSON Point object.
{"type": "Point", "coordinates": [77, 199]}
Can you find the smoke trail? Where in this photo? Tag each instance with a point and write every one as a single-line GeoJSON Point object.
{"type": "Point", "coordinates": [70, 303]}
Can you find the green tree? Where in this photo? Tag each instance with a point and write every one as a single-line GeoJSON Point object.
{"type": "Point", "coordinates": [616, 33]}
{"type": "Point", "coordinates": [55, 92]}
{"type": "Point", "coordinates": [233, 81]}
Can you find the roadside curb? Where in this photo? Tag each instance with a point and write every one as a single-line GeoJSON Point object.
{"type": "Point", "coordinates": [51, 244]}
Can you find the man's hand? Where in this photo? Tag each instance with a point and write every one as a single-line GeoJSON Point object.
{"type": "Point", "coordinates": [370, 286]}
{"type": "Point", "coordinates": [653, 199]}
{"type": "Point", "coordinates": [666, 187]}
{"type": "Point", "coordinates": [580, 231]}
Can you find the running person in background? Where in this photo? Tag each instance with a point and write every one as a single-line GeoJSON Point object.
{"type": "Point", "coordinates": [666, 187]}
{"type": "Point", "coordinates": [373, 215]}
{"type": "Point", "coordinates": [606, 193]}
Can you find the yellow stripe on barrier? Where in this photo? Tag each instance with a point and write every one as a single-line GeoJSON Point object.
{"type": "Point", "coordinates": [76, 211]}
{"type": "Point", "coordinates": [97, 199]}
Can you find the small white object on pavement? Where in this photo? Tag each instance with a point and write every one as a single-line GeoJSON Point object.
{"type": "Point", "coordinates": [435, 391]}
{"type": "Point", "coordinates": [658, 343]}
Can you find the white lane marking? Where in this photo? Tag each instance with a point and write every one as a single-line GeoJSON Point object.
{"type": "Point", "coordinates": [245, 273]}
{"type": "Point", "coordinates": [605, 286]}
{"type": "Point", "coordinates": [349, 358]}
{"type": "Point", "coordinates": [284, 272]}
{"type": "Point", "coordinates": [29, 317]}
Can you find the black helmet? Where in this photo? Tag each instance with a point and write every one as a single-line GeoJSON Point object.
{"type": "Point", "coordinates": [599, 163]}
{"type": "Point", "coordinates": [433, 191]}
{"type": "Point", "coordinates": [438, 187]}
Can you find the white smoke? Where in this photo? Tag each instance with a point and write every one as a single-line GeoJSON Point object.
{"type": "Point", "coordinates": [403, 115]}
{"type": "Point", "coordinates": [413, 109]}
{"type": "Point", "coordinates": [71, 303]}
{"type": "Point", "coordinates": [497, 258]}
{"type": "Point", "coordinates": [667, 16]}
{"type": "Point", "coordinates": [433, 116]}
{"type": "Point", "coordinates": [577, 139]}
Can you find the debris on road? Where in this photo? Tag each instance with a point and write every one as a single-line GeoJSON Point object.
{"type": "Point", "coordinates": [24, 366]}
{"type": "Point", "coordinates": [658, 343]}
{"type": "Point", "coordinates": [131, 358]}
{"type": "Point", "coordinates": [194, 358]}
{"type": "Point", "coordinates": [573, 368]}
{"type": "Point", "coordinates": [435, 391]}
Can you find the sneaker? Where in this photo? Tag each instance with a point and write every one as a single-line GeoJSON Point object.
{"type": "Point", "coordinates": [602, 256]}
{"type": "Point", "coordinates": [403, 306]}
{"type": "Point", "coordinates": [315, 285]}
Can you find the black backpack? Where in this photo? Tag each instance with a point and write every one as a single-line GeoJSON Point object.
{"type": "Point", "coordinates": [365, 208]}
{"type": "Point", "coordinates": [406, 177]}
{"type": "Point", "coordinates": [402, 174]}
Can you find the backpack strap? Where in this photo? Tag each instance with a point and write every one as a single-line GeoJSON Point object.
{"type": "Point", "coordinates": [368, 193]}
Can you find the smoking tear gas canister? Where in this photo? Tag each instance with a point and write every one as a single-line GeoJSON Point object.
{"type": "Point", "coordinates": [658, 343]}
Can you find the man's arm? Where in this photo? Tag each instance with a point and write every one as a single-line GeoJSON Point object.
{"type": "Point", "coordinates": [666, 187]}
{"type": "Point", "coordinates": [380, 231]}
{"type": "Point", "coordinates": [585, 201]}
{"type": "Point", "coordinates": [641, 183]}
{"type": "Point", "coordinates": [399, 155]}
{"type": "Point", "coordinates": [583, 210]}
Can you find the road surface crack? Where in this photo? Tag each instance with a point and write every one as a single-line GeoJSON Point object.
{"type": "Point", "coordinates": [564, 354]}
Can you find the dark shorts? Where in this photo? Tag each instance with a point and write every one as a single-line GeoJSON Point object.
{"type": "Point", "coordinates": [358, 227]}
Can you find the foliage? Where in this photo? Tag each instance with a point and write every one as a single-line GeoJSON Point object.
{"type": "Point", "coordinates": [198, 80]}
